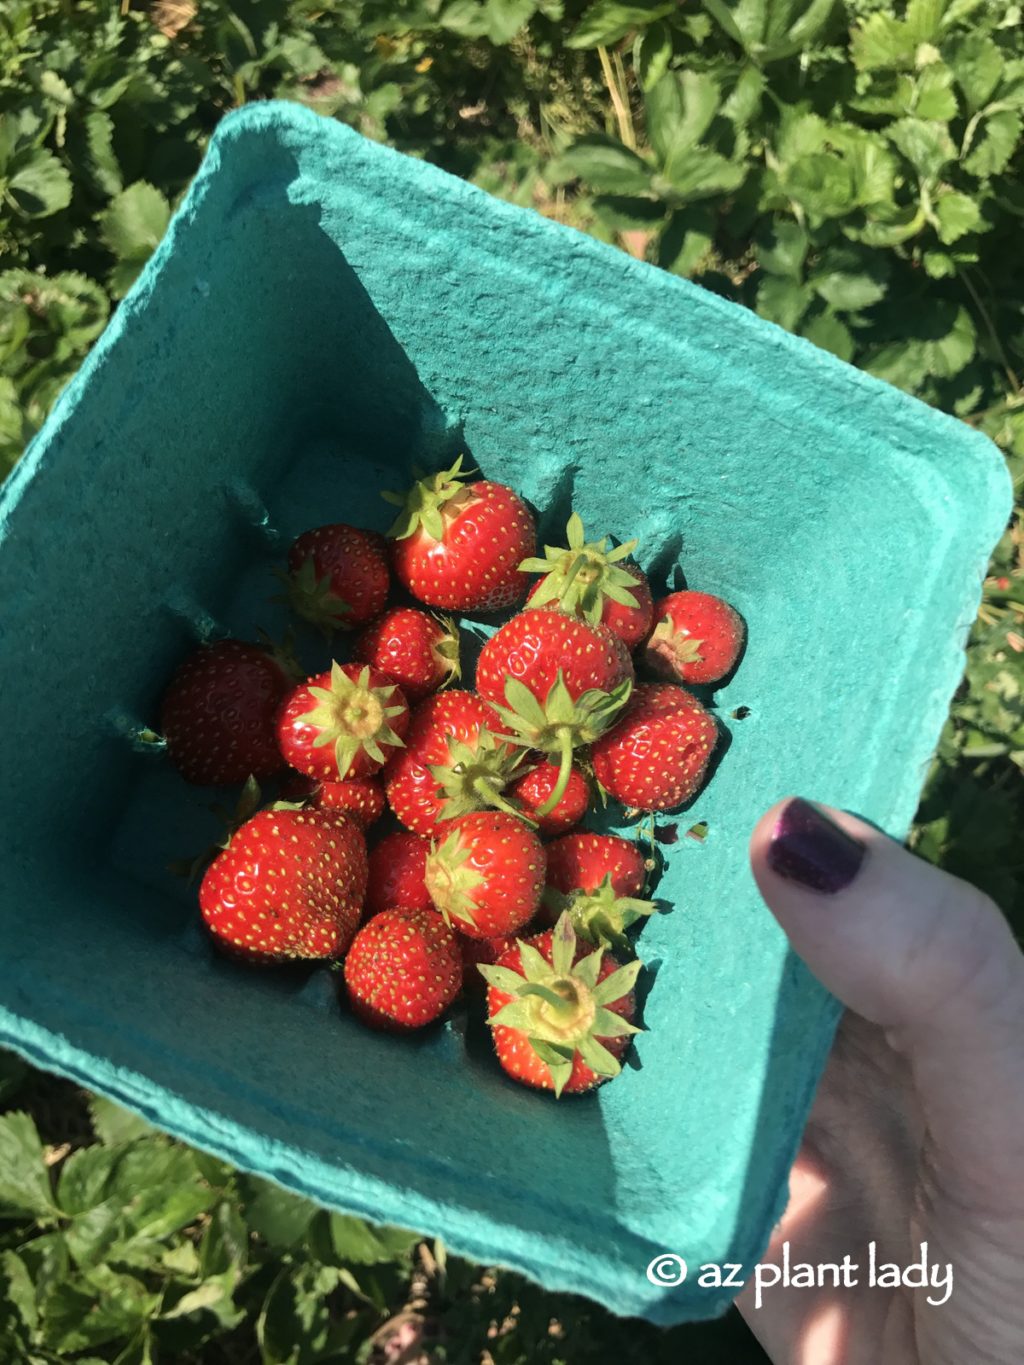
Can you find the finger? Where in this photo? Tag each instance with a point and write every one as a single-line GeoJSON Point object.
{"type": "Point", "coordinates": [927, 957]}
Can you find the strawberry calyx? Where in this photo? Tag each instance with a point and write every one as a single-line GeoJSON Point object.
{"type": "Point", "coordinates": [445, 651]}
{"type": "Point", "coordinates": [450, 881]}
{"type": "Point", "coordinates": [431, 503]}
{"type": "Point", "coordinates": [600, 916]}
{"type": "Point", "coordinates": [677, 647]}
{"type": "Point", "coordinates": [476, 775]}
{"type": "Point", "coordinates": [582, 577]}
{"type": "Point", "coordinates": [353, 716]}
{"type": "Point", "coordinates": [313, 598]}
{"type": "Point", "coordinates": [560, 1006]}
{"type": "Point", "coordinates": [559, 724]}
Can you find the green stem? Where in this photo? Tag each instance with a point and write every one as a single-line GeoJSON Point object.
{"type": "Point", "coordinates": [565, 738]}
{"type": "Point", "coordinates": [490, 796]}
{"type": "Point", "coordinates": [550, 997]}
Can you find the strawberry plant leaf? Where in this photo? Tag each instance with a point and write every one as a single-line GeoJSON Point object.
{"type": "Point", "coordinates": [954, 216]}
{"type": "Point", "coordinates": [40, 186]}
{"type": "Point", "coordinates": [782, 249]}
{"type": "Point", "coordinates": [993, 150]}
{"type": "Point", "coordinates": [927, 146]}
{"type": "Point", "coordinates": [934, 96]}
{"type": "Point", "coordinates": [24, 1179]}
{"type": "Point", "coordinates": [830, 333]}
{"type": "Point", "coordinates": [607, 166]}
{"type": "Point", "coordinates": [783, 301]}
{"type": "Point", "coordinates": [977, 64]}
{"type": "Point", "coordinates": [102, 161]}
{"type": "Point", "coordinates": [113, 1124]}
{"type": "Point", "coordinates": [679, 112]}
{"type": "Point", "coordinates": [275, 1214]}
{"type": "Point", "coordinates": [609, 20]}
{"type": "Point", "coordinates": [652, 53]}
{"type": "Point", "coordinates": [132, 225]}
{"type": "Point", "coordinates": [356, 1242]}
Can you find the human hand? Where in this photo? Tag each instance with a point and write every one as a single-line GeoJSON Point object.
{"type": "Point", "coordinates": [917, 1130]}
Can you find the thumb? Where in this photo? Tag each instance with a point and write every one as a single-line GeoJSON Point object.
{"type": "Point", "coordinates": [927, 957]}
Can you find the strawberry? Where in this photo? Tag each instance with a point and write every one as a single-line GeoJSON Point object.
{"type": "Point", "coordinates": [529, 793]}
{"type": "Point", "coordinates": [338, 576]}
{"type": "Point", "coordinates": [362, 799]}
{"type": "Point", "coordinates": [397, 867]}
{"type": "Point", "coordinates": [403, 970]}
{"type": "Point", "coordinates": [477, 952]}
{"type": "Point", "coordinates": [589, 580]}
{"type": "Point", "coordinates": [419, 651]}
{"type": "Point", "coordinates": [289, 885]}
{"type": "Point", "coordinates": [487, 874]}
{"type": "Point", "coordinates": [556, 682]}
{"type": "Point", "coordinates": [657, 755]}
{"type": "Point", "coordinates": [598, 879]}
{"type": "Point", "coordinates": [340, 724]}
{"type": "Point", "coordinates": [561, 1013]}
{"type": "Point", "coordinates": [452, 762]}
{"type": "Point", "coordinates": [458, 545]}
{"type": "Point", "coordinates": [217, 714]}
{"type": "Point", "coordinates": [696, 638]}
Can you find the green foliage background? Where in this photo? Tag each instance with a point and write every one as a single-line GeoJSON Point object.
{"type": "Point", "coordinates": [851, 170]}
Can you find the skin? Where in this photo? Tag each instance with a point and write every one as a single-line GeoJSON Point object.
{"type": "Point", "coordinates": [917, 1131]}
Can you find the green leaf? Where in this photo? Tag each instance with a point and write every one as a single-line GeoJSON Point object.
{"type": "Point", "coordinates": [924, 19]}
{"type": "Point", "coordinates": [294, 1324]}
{"type": "Point", "coordinates": [225, 1244]}
{"type": "Point", "coordinates": [954, 216]}
{"type": "Point", "coordinates": [828, 332]}
{"type": "Point", "coordinates": [882, 42]}
{"type": "Point", "coordinates": [822, 184]}
{"type": "Point", "coordinates": [506, 17]}
{"type": "Point", "coordinates": [993, 151]}
{"type": "Point", "coordinates": [927, 146]}
{"type": "Point", "coordinates": [977, 64]}
{"type": "Point", "coordinates": [782, 300]}
{"type": "Point", "coordinates": [19, 1291]}
{"type": "Point", "coordinates": [680, 109]}
{"type": "Point", "coordinates": [849, 279]}
{"type": "Point", "coordinates": [102, 163]}
{"type": "Point", "coordinates": [652, 53]}
{"type": "Point", "coordinates": [624, 214]}
{"type": "Point", "coordinates": [783, 249]}
{"type": "Point", "coordinates": [275, 1214]}
{"type": "Point", "coordinates": [113, 1124]}
{"type": "Point", "coordinates": [24, 1179]}
{"type": "Point", "coordinates": [607, 166]}
{"type": "Point", "coordinates": [697, 173]}
{"type": "Point", "coordinates": [107, 1307]}
{"type": "Point", "coordinates": [744, 101]}
{"type": "Point", "coordinates": [359, 1243]}
{"type": "Point", "coordinates": [946, 348]}
{"type": "Point", "coordinates": [84, 1179]}
{"type": "Point", "coordinates": [40, 186]}
{"type": "Point", "coordinates": [939, 264]}
{"type": "Point", "coordinates": [468, 18]}
{"type": "Point", "coordinates": [134, 222]}
{"type": "Point", "coordinates": [608, 20]}
{"type": "Point", "coordinates": [687, 239]}
{"type": "Point", "coordinates": [934, 95]}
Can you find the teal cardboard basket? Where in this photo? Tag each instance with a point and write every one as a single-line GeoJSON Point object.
{"type": "Point", "coordinates": [322, 315]}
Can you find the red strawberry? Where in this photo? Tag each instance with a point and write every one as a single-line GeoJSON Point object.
{"type": "Point", "coordinates": [556, 682]}
{"type": "Point", "coordinates": [362, 798]}
{"type": "Point", "coordinates": [458, 545]}
{"type": "Point", "coordinates": [599, 879]}
{"type": "Point", "coordinates": [561, 1013]}
{"type": "Point", "coordinates": [696, 638]}
{"type": "Point", "coordinates": [217, 714]}
{"type": "Point", "coordinates": [452, 762]}
{"type": "Point", "coordinates": [532, 790]}
{"type": "Point", "coordinates": [589, 580]}
{"type": "Point", "coordinates": [397, 867]}
{"type": "Point", "coordinates": [341, 724]}
{"type": "Point", "coordinates": [487, 874]}
{"type": "Point", "coordinates": [656, 756]}
{"type": "Point", "coordinates": [419, 651]}
{"type": "Point", "coordinates": [338, 576]}
{"type": "Point", "coordinates": [290, 884]}
{"type": "Point", "coordinates": [403, 970]}
{"type": "Point", "coordinates": [481, 952]}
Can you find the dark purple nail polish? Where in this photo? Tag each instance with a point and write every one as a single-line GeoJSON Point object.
{"type": "Point", "coordinates": [810, 849]}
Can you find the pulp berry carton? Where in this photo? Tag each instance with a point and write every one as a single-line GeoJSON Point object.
{"type": "Point", "coordinates": [324, 315]}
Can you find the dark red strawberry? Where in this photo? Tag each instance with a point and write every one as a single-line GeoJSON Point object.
{"type": "Point", "coordinates": [419, 651]}
{"type": "Point", "coordinates": [556, 682]}
{"type": "Point", "coordinates": [338, 576]}
{"type": "Point", "coordinates": [589, 580]}
{"type": "Point", "coordinates": [696, 638]}
{"type": "Point", "coordinates": [487, 874]}
{"type": "Point", "coordinates": [599, 879]}
{"type": "Point", "coordinates": [531, 791]}
{"type": "Point", "coordinates": [657, 755]}
{"type": "Point", "coordinates": [397, 867]}
{"type": "Point", "coordinates": [217, 715]}
{"type": "Point", "coordinates": [289, 885]}
{"type": "Point", "coordinates": [403, 970]}
{"type": "Point", "coordinates": [362, 798]}
{"type": "Point", "coordinates": [458, 545]}
{"type": "Point", "coordinates": [342, 724]}
{"type": "Point", "coordinates": [481, 952]}
{"type": "Point", "coordinates": [560, 1012]}
{"type": "Point", "coordinates": [452, 762]}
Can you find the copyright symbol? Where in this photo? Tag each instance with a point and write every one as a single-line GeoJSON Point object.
{"type": "Point", "coordinates": [667, 1269]}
